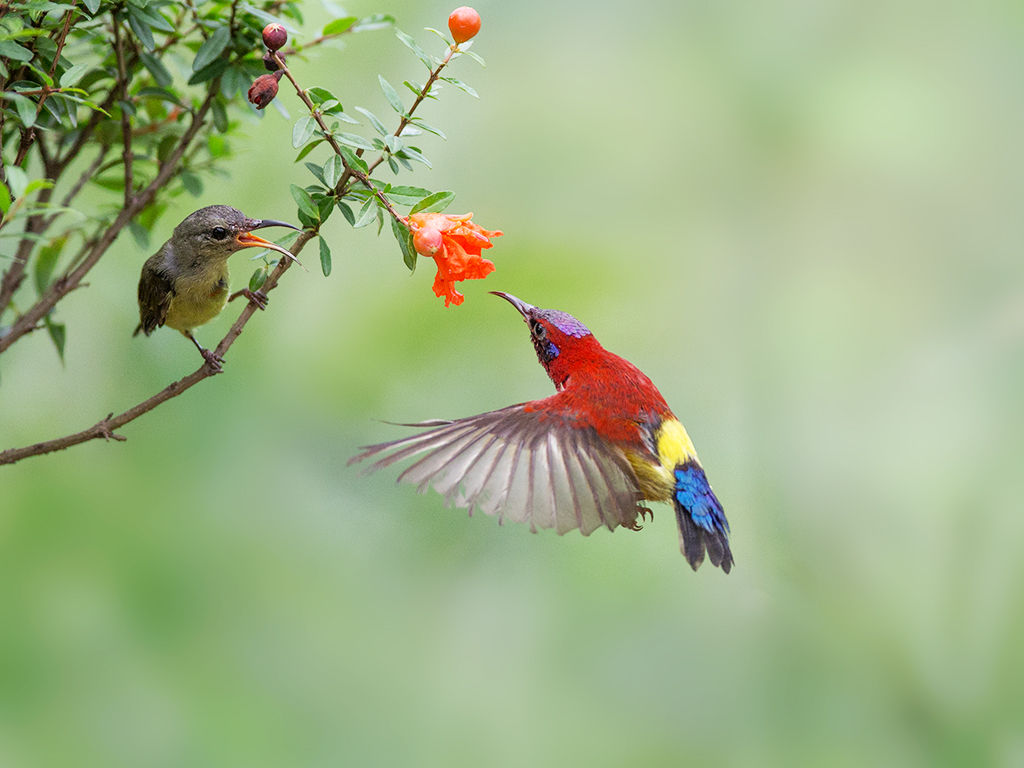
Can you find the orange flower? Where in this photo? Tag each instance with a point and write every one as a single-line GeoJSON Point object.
{"type": "Point", "coordinates": [459, 255]}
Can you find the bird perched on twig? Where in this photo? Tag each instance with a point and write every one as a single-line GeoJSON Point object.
{"type": "Point", "coordinates": [586, 456]}
{"type": "Point", "coordinates": [186, 283]}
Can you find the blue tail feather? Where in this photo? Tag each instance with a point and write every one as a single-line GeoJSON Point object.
{"type": "Point", "coordinates": [702, 523]}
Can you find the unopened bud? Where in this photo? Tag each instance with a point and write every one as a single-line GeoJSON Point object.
{"type": "Point", "coordinates": [270, 62]}
{"type": "Point", "coordinates": [264, 89]}
{"type": "Point", "coordinates": [426, 241]}
{"type": "Point", "coordinates": [274, 36]}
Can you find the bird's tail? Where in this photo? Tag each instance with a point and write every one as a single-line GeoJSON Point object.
{"type": "Point", "coordinates": [702, 523]}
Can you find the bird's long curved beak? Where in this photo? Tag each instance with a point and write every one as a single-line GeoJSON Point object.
{"type": "Point", "coordinates": [522, 306]}
{"type": "Point", "coordinates": [249, 240]}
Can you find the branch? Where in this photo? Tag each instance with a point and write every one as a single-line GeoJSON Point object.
{"type": "Point", "coordinates": [105, 427]}
{"type": "Point", "coordinates": [126, 121]}
{"type": "Point", "coordinates": [68, 282]}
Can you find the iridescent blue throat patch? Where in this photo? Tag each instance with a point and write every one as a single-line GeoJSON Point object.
{"type": "Point", "coordinates": [566, 323]}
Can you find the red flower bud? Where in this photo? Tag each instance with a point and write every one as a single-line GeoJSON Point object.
{"type": "Point", "coordinates": [264, 89]}
{"type": "Point", "coordinates": [464, 23]}
{"type": "Point", "coordinates": [274, 36]}
{"type": "Point", "coordinates": [427, 241]}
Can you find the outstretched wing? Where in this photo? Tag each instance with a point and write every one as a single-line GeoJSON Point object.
{"type": "Point", "coordinates": [524, 466]}
{"type": "Point", "coordinates": [155, 293]}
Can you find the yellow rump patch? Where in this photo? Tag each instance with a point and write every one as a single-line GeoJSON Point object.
{"type": "Point", "coordinates": [674, 445]}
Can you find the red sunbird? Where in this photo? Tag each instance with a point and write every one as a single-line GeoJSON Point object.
{"type": "Point", "coordinates": [587, 456]}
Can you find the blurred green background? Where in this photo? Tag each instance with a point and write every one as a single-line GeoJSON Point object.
{"type": "Point", "coordinates": [801, 219]}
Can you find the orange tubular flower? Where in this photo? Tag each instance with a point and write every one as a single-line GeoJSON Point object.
{"type": "Point", "coordinates": [459, 256]}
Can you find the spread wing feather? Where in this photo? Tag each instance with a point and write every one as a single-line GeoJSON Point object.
{"type": "Point", "coordinates": [524, 466]}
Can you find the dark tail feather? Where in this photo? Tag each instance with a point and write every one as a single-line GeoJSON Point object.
{"type": "Point", "coordinates": [702, 523]}
{"type": "Point", "coordinates": [694, 540]}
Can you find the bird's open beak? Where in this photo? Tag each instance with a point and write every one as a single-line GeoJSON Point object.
{"type": "Point", "coordinates": [249, 240]}
{"type": "Point", "coordinates": [522, 306]}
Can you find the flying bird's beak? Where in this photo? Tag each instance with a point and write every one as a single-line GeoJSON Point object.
{"type": "Point", "coordinates": [522, 306]}
{"type": "Point", "coordinates": [249, 240]}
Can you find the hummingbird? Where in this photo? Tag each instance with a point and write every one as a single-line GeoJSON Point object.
{"type": "Point", "coordinates": [587, 456]}
{"type": "Point", "coordinates": [186, 283]}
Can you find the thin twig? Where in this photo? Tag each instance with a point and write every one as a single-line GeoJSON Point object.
{"type": "Point", "coordinates": [126, 123]}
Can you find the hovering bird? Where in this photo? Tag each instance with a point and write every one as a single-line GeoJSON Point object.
{"type": "Point", "coordinates": [587, 456]}
{"type": "Point", "coordinates": [185, 284]}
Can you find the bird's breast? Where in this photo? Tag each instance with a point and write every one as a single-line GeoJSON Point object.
{"type": "Point", "coordinates": [198, 298]}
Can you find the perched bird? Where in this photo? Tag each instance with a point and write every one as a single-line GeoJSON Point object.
{"type": "Point", "coordinates": [185, 284]}
{"type": "Point", "coordinates": [586, 456]}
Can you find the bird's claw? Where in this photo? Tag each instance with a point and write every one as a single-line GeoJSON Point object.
{"type": "Point", "coordinates": [258, 298]}
{"type": "Point", "coordinates": [633, 525]}
{"type": "Point", "coordinates": [213, 362]}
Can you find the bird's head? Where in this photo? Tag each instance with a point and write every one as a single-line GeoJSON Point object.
{"type": "Point", "coordinates": [559, 338]}
{"type": "Point", "coordinates": [217, 231]}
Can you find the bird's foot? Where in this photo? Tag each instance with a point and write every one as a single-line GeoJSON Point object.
{"type": "Point", "coordinates": [212, 361]}
{"type": "Point", "coordinates": [633, 525]}
{"type": "Point", "coordinates": [259, 298]}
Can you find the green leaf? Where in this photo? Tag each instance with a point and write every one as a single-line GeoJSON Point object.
{"type": "Point", "coordinates": [393, 165]}
{"type": "Point", "coordinates": [353, 140]}
{"type": "Point", "coordinates": [141, 29]}
{"type": "Point", "coordinates": [305, 202]}
{"type": "Point", "coordinates": [26, 109]}
{"type": "Point", "coordinates": [46, 260]}
{"type": "Point", "coordinates": [414, 154]}
{"type": "Point", "coordinates": [394, 144]}
{"type": "Point", "coordinates": [152, 17]}
{"type": "Point", "coordinates": [73, 75]}
{"type": "Point", "coordinates": [346, 211]}
{"type": "Point", "coordinates": [307, 149]}
{"type": "Point", "coordinates": [303, 130]}
{"type": "Point", "coordinates": [140, 234]}
{"type": "Point", "coordinates": [212, 48]}
{"type": "Point", "coordinates": [404, 238]}
{"type": "Point", "coordinates": [325, 257]}
{"type": "Point", "coordinates": [367, 213]}
{"type": "Point", "coordinates": [411, 194]}
{"type": "Point", "coordinates": [333, 170]}
{"type": "Point", "coordinates": [192, 183]}
{"type": "Point", "coordinates": [156, 69]}
{"type": "Point", "coordinates": [338, 26]}
{"type": "Point", "coordinates": [58, 333]}
{"type": "Point", "coordinates": [5, 198]}
{"type": "Point", "coordinates": [12, 50]}
{"type": "Point", "coordinates": [17, 179]}
{"type": "Point", "coordinates": [216, 69]}
{"type": "Point", "coordinates": [352, 160]}
{"type": "Point", "coordinates": [420, 53]}
{"type": "Point", "coordinates": [374, 22]}
{"type": "Point", "coordinates": [317, 171]}
{"type": "Point", "coordinates": [434, 203]}
{"type": "Point", "coordinates": [461, 86]}
{"type": "Point", "coordinates": [374, 121]}
{"type": "Point", "coordinates": [391, 95]}
{"type": "Point", "coordinates": [436, 131]}
{"type": "Point", "coordinates": [259, 277]}
{"type": "Point", "coordinates": [92, 6]}
{"type": "Point", "coordinates": [476, 58]}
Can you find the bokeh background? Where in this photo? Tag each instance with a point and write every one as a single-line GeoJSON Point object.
{"type": "Point", "coordinates": [801, 219]}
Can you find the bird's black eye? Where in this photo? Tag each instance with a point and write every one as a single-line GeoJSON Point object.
{"type": "Point", "coordinates": [219, 233]}
{"type": "Point", "coordinates": [539, 332]}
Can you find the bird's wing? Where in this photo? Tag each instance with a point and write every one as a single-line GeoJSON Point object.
{"type": "Point", "coordinates": [524, 466]}
{"type": "Point", "coordinates": [155, 293]}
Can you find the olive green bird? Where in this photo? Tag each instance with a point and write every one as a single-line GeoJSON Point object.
{"type": "Point", "coordinates": [186, 283]}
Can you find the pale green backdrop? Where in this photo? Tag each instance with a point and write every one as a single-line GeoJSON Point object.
{"type": "Point", "coordinates": [802, 219]}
